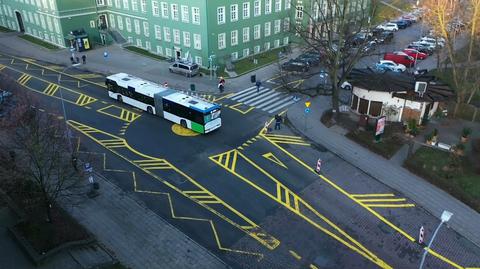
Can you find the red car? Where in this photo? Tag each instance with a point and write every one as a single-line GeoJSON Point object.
{"type": "Point", "coordinates": [415, 54]}
{"type": "Point", "coordinates": [400, 58]}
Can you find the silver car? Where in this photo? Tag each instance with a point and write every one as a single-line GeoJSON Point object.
{"type": "Point", "coordinates": [187, 69]}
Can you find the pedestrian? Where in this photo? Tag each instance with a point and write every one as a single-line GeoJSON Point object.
{"type": "Point", "coordinates": [258, 84]}
{"type": "Point", "coordinates": [84, 59]}
{"type": "Point", "coordinates": [221, 87]}
{"type": "Point", "coordinates": [74, 163]}
{"type": "Point", "coordinates": [278, 122]}
{"type": "Point", "coordinates": [78, 60]}
{"type": "Point", "coordinates": [72, 60]}
{"type": "Point", "coordinates": [165, 84]}
{"type": "Point", "coordinates": [222, 81]}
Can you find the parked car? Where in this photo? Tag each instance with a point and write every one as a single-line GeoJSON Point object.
{"type": "Point", "coordinates": [415, 54]}
{"type": "Point", "coordinates": [424, 44]}
{"type": "Point", "coordinates": [310, 59]}
{"type": "Point", "coordinates": [388, 27]}
{"type": "Point", "coordinates": [185, 68]}
{"type": "Point", "coordinates": [295, 65]}
{"type": "Point", "coordinates": [371, 45]}
{"type": "Point", "coordinates": [346, 86]}
{"type": "Point", "coordinates": [436, 42]}
{"type": "Point", "coordinates": [400, 58]}
{"type": "Point", "coordinates": [386, 37]}
{"type": "Point", "coordinates": [410, 17]}
{"type": "Point", "coordinates": [376, 32]}
{"type": "Point", "coordinates": [423, 49]}
{"type": "Point", "coordinates": [401, 24]}
{"type": "Point", "coordinates": [384, 65]}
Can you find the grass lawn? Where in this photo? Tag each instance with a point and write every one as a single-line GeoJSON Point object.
{"type": "Point", "coordinates": [5, 30]}
{"type": "Point", "coordinates": [386, 13]}
{"type": "Point", "coordinates": [39, 42]}
{"type": "Point", "coordinates": [145, 53]}
{"type": "Point", "coordinates": [246, 65]}
{"type": "Point", "coordinates": [463, 184]}
{"type": "Point", "coordinates": [388, 145]}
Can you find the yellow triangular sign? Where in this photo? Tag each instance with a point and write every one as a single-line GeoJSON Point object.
{"type": "Point", "coordinates": [271, 157]}
{"type": "Point", "coordinates": [307, 104]}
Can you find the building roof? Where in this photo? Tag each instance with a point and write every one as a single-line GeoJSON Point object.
{"type": "Point", "coordinates": [401, 85]}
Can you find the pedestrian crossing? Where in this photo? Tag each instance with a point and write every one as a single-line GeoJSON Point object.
{"type": "Point", "coordinates": [266, 99]}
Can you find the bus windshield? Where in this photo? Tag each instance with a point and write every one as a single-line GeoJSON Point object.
{"type": "Point", "coordinates": [212, 115]}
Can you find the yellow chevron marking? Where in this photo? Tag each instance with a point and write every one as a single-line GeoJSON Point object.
{"type": "Point", "coordinates": [295, 255]}
{"type": "Point", "coordinates": [2, 67]}
{"type": "Point", "coordinates": [235, 107]}
{"type": "Point", "coordinates": [269, 156]}
{"type": "Point", "coordinates": [389, 205]}
{"type": "Point", "coordinates": [313, 267]}
{"type": "Point", "coordinates": [51, 89]}
{"type": "Point", "coordinates": [123, 114]}
{"type": "Point", "coordinates": [287, 139]}
{"type": "Point", "coordinates": [230, 166]}
{"type": "Point", "coordinates": [223, 97]}
{"type": "Point", "coordinates": [374, 195]}
{"type": "Point", "coordinates": [84, 100]}
{"type": "Point", "coordinates": [382, 200]}
{"type": "Point", "coordinates": [23, 79]}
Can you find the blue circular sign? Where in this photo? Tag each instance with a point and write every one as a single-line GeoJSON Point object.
{"type": "Point", "coordinates": [307, 110]}
{"type": "Point", "coordinates": [105, 54]}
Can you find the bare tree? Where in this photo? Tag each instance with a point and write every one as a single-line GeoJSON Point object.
{"type": "Point", "coordinates": [328, 27]}
{"type": "Point", "coordinates": [39, 153]}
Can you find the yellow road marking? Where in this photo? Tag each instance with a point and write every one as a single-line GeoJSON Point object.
{"type": "Point", "coordinates": [313, 267]}
{"type": "Point", "coordinates": [382, 200]}
{"type": "Point", "coordinates": [352, 196]}
{"type": "Point", "coordinates": [255, 232]}
{"type": "Point", "coordinates": [295, 255]}
{"type": "Point", "coordinates": [223, 97]}
{"type": "Point", "coordinates": [297, 82]}
{"type": "Point", "coordinates": [286, 139]}
{"type": "Point", "coordinates": [2, 67]}
{"type": "Point", "coordinates": [51, 89]}
{"type": "Point", "coordinates": [373, 195]}
{"type": "Point", "coordinates": [390, 205]}
{"type": "Point", "coordinates": [83, 100]}
{"type": "Point", "coordinates": [124, 115]}
{"type": "Point", "coordinates": [24, 78]}
{"type": "Point", "coordinates": [269, 156]}
{"type": "Point", "coordinates": [235, 107]}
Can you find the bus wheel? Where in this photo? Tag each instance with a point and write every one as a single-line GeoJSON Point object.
{"type": "Point", "coordinates": [150, 110]}
{"type": "Point", "coordinates": [119, 98]}
{"type": "Point", "coordinates": [183, 123]}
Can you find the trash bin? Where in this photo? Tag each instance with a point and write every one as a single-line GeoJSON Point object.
{"type": "Point", "coordinates": [253, 78]}
{"type": "Point", "coordinates": [192, 87]}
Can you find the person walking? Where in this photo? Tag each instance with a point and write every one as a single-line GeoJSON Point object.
{"type": "Point", "coordinates": [278, 122]}
{"type": "Point", "coordinates": [258, 84]}
{"type": "Point", "coordinates": [221, 87]}
{"type": "Point", "coordinates": [84, 59]}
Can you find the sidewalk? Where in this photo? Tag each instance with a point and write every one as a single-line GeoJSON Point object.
{"type": "Point", "coordinates": [465, 220]}
{"type": "Point", "coordinates": [122, 60]}
{"type": "Point", "coordinates": [138, 237]}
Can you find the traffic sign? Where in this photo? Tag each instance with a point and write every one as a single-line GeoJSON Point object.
{"type": "Point", "coordinates": [421, 236]}
{"type": "Point", "coordinates": [307, 110]}
{"type": "Point", "coordinates": [105, 54]}
{"type": "Point", "coordinates": [319, 165]}
{"type": "Point", "coordinates": [307, 104]}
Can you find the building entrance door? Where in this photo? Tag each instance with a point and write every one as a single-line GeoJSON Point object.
{"type": "Point", "coordinates": [20, 21]}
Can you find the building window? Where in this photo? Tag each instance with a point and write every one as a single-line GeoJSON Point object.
{"type": "Point", "coordinates": [246, 10]}
{"type": "Point", "coordinates": [299, 13]}
{"type": "Point", "coordinates": [135, 5]}
{"type": "Point", "coordinates": [155, 10]}
{"type": "Point", "coordinates": [285, 40]}
{"type": "Point", "coordinates": [146, 29]}
{"type": "Point", "coordinates": [268, 28]}
{"type": "Point", "coordinates": [267, 45]}
{"type": "Point", "coordinates": [56, 24]}
{"type": "Point", "coordinates": [256, 31]}
{"type": "Point", "coordinates": [196, 15]}
{"type": "Point", "coordinates": [198, 60]}
{"type": "Point", "coordinates": [174, 12]}
{"type": "Point", "coordinates": [159, 50]}
{"type": "Point", "coordinates": [137, 26]}
{"type": "Point", "coordinates": [246, 52]}
{"type": "Point", "coordinates": [257, 8]}
{"type": "Point", "coordinates": [246, 34]}
{"type": "Point", "coordinates": [278, 5]}
{"type": "Point", "coordinates": [130, 40]}
{"type": "Point", "coordinates": [128, 24]}
{"type": "Point", "coordinates": [185, 15]}
{"type": "Point", "coordinates": [164, 10]}
{"type": "Point", "coordinates": [99, 3]}
{"type": "Point", "coordinates": [288, 4]}
{"type": "Point", "coordinates": [221, 41]}
{"type": "Point", "coordinates": [256, 49]}
{"type": "Point", "coordinates": [221, 15]}
{"type": "Point", "coordinates": [117, 4]}
{"type": "Point", "coordinates": [168, 52]}
{"type": "Point", "coordinates": [109, 3]}
{"type": "Point", "coordinates": [120, 22]}
{"type": "Point", "coordinates": [268, 6]}
{"type": "Point", "coordinates": [375, 108]}
{"type": "Point", "coordinates": [148, 45]}
{"type": "Point", "coordinates": [286, 24]}
{"type": "Point", "coordinates": [158, 32]}
{"type": "Point", "coordinates": [197, 41]}
{"type": "Point", "coordinates": [234, 56]}
{"type": "Point", "coordinates": [354, 102]}
{"type": "Point", "coordinates": [234, 37]}
{"type": "Point", "coordinates": [166, 34]}
{"type": "Point", "coordinates": [143, 6]}
{"type": "Point", "coordinates": [139, 42]}
{"type": "Point", "coordinates": [276, 43]}
{"type": "Point", "coordinates": [125, 4]}
{"type": "Point", "coordinates": [186, 39]}
{"type": "Point", "coordinates": [234, 13]}
{"type": "Point", "coordinates": [176, 36]}
{"type": "Point", "coordinates": [276, 26]}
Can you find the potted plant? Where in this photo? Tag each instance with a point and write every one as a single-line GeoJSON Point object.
{"type": "Point", "coordinates": [434, 136]}
{"type": "Point", "coordinates": [459, 149]}
{"type": "Point", "coordinates": [465, 133]}
{"type": "Point", "coordinates": [428, 139]}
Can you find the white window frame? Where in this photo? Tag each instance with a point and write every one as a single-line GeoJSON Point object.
{"type": "Point", "coordinates": [221, 38]}
{"type": "Point", "coordinates": [234, 38]}
{"type": "Point", "coordinates": [146, 29]}
{"type": "Point", "coordinates": [118, 4]}
{"type": "Point", "coordinates": [196, 15]}
{"type": "Point", "coordinates": [286, 24]}
{"type": "Point", "coordinates": [277, 26]}
{"type": "Point", "coordinates": [119, 22]}
{"type": "Point", "coordinates": [168, 52]}
{"type": "Point", "coordinates": [164, 7]}
{"type": "Point", "coordinates": [220, 15]}
{"type": "Point", "coordinates": [166, 34]}
{"type": "Point", "coordinates": [256, 31]}
{"type": "Point", "coordinates": [268, 6]}
{"type": "Point", "coordinates": [277, 5]}
{"type": "Point", "coordinates": [234, 13]}
{"type": "Point", "coordinates": [185, 13]}
{"type": "Point", "coordinates": [126, 4]}
{"type": "Point", "coordinates": [148, 45]}
{"type": "Point", "coordinates": [246, 34]}
{"type": "Point", "coordinates": [288, 4]}
{"type": "Point", "coordinates": [268, 29]}
{"type": "Point", "coordinates": [136, 24]}
{"type": "Point", "coordinates": [257, 49]}
{"type": "Point", "coordinates": [234, 56]}
{"type": "Point", "coordinates": [143, 6]}
{"type": "Point", "coordinates": [139, 43]}
{"type": "Point", "coordinates": [186, 39]}
{"type": "Point", "coordinates": [175, 12]}
{"type": "Point", "coordinates": [257, 8]}
{"type": "Point", "coordinates": [159, 50]}
{"type": "Point", "coordinates": [198, 60]}
{"type": "Point", "coordinates": [246, 52]}
{"type": "Point", "coordinates": [266, 46]}
{"type": "Point", "coordinates": [155, 9]}
{"type": "Point", "coordinates": [246, 10]}
{"type": "Point", "coordinates": [197, 41]}
{"type": "Point", "coordinates": [158, 32]}
{"type": "Point", "coordinates": [128, 24]}
{"type": "Point", "coordinates": [134, 5]}
{"type": "Point", "coordinates": [176, 36]}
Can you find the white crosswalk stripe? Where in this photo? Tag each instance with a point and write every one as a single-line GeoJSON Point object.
{"type": "Point", "coordinates": [265, 99]}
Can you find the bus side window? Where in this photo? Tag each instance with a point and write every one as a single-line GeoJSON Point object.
{"type": "Point", "coordinates": [166, 105]}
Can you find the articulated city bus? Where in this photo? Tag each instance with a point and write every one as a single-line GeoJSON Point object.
{"type": "Point", "coordinates": [189, 111]}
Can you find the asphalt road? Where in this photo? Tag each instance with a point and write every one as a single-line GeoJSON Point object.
{"type": "Point", "coordinates": [249, 196]}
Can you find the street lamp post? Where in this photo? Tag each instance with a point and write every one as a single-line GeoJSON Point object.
{"type": "Point", "coordinates": [446, 215]}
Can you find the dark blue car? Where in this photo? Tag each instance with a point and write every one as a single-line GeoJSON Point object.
{"type": "Point", "coordinates": [401, 24]}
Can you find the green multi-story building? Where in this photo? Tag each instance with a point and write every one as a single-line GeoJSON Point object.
{"type": "Point", "coordinates": [201, 30]}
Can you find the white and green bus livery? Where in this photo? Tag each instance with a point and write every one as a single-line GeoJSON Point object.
{"type": "Point", "coordinates": [189, 111]}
